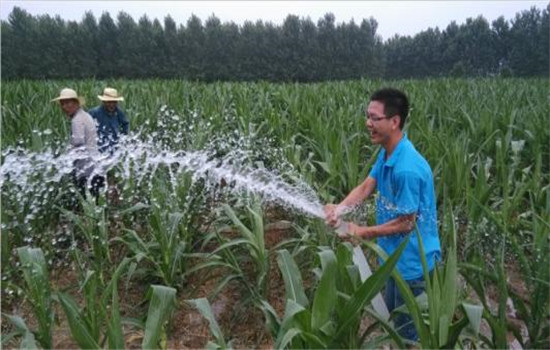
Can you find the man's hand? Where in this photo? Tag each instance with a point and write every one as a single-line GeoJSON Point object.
{"type": "Point", "coordinates": [350, 234]}
{"type": "Point", "coordinates": [331, 217]}
{"type": "Point", "coordinates": [353, 229]}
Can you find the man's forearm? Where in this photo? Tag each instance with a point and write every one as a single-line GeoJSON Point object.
{"type": "Point", "coordinates": [401, 224]}
{"type": "Point", "coordinates": [359, 193]}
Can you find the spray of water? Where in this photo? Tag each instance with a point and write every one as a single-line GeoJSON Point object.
{"type": "Point", "coordinates": [38, 172]}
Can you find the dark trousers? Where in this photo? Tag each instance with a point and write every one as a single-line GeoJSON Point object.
{"type": "Point", "coordinates": [96, 184]}
{"type": "Point", "coordinates": [403, 322]}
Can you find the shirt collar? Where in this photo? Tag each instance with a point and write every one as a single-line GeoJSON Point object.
{"type": "Point", "coordinates": [396, 152]}
{"type": "Point", "coordinates": [107, 112]}
{"type": "Point", "coordinates": [75, 113]}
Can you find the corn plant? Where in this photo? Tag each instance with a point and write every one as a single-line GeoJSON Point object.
{"type": "Point", "coordinates": [229, 253]}
{"type": "Point", "coordinates": [28, 340]}
{"type": "Point", "coordinates": [164, 247]}
{"type": "Point", "coordinates": [497, 322]}
{"type": "Point", "coordinates": [332, 317]}
{"type": "Point", "coordinates": [29, 219]}
{"type": "Point", "coordinates": [203, 305]}
{"type": "Point", "coordinates": [442, 296]}
{"type": "Point", "coordinates": [534, 312]}
{"type": "Point", "coordinates": [435, 312]}
{"type": "Point", "coordinates": [161, 305]}
{"type": "Point", "coordinates": [171, 219]}
{"type": "Point", "coordinates": [37, 290]}
{"type": "Point", "coordinates": [92, 325]}
{"type": "Point", "coordinates": [93, 225]}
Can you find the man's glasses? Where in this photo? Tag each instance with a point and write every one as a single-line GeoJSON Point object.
{"type": "Point", "coordinates": [377, 119]}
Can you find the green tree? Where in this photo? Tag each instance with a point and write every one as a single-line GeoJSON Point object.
{"type": "Point", "coordinates": [108, 50]}
{"type": "Point", "coordinates": [9, 65]}
{"type": "Point", "coordinates": [52, 42]}
{"type": "Point", "coordinates": [21, 37]}
{"type": "Point", "coordinates": [309, 44]}
{"type": "Point", "coordinates": [370, 45]}
{"type": "Point", "coordinates": [89, 44]}
{"type": "Point", "coordinates": [529, 49]}
{"type": "Point", "coordinates": [129, 45]}
{"type": "Point", "coordinates": [450, 48]}
{"type": "Point", "coordinates": [194, 48]}
{"type": "Point", "coordinates": [297, 50]}
{"type": "Point", "coordinates": [249, 53]}
{"type": "Point", "coordinates": [149, 56]}
{"type": "Point", "coordinates": [327, 46]}
{"type": "Point", "coordinates": [172, 48]}
{"type": "Point", "coordinates": [477, 46]}
{"type": "Point", "coordinates": [501, 34]}
{"type": "Point", "coordinates": [158, 50]}
{"type": "Point", "coordinates": [544, 42]}
{"type": "Point", "coordinates": [220, 49]}
{"type": "Point", "coordinates": [291, 49]}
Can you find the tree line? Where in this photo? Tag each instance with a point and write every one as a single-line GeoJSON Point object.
{"type": "Point", "coordinates": [38, 47]}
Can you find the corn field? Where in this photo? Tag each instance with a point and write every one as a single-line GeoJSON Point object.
{"type": "Point", "coordinates": [175, 262]}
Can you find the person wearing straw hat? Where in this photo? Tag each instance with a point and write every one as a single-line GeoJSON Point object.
{"type": "Point", "coordinates": [111, 120]}
{"type": "Point", "coordinates": [83, 140]}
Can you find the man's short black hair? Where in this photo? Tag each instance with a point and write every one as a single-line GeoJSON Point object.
{"type": "Point", "coordinates": [395, 103]}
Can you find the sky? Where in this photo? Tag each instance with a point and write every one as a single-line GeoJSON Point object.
{"type": "Point", "coordinates": [393, 17]}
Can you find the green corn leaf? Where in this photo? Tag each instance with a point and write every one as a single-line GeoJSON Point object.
{"type": "Point", "coordinates": [409, 300]}
{"type": "Point", "coordinates": [354, 307]}
{"type": "Point", "coordinates": [242, 228]}
{"type": "Point", "coordinates": [114, 329]}
{"type": "Point", "coordinates": [314, 342]}
{"type": "Point", "coordinates": [233, 243]}
{"type": "Point", "coordinates": [287, 337]}
{"type": "Point", "coordinates": [421, 302]}
{"type": "Point", "coordinates": [160, 308]}
{"type": "Point", "coordinates": [292, 277]}
{"type": "Point", "coordinates": [212, 346]}
{"type": "Point", "coordinates": [292, 310]}
{"type": "Point", "coordinates": [296, 317]}
{"type": "Point", "coordinates": [444, 324]}
{"type": "Point", "coordinates": [474, 314]}
{"type": "Point", "coordinates": [388, 328]}
{"type": "Point", "coordinates": [79, 329]}
{"type": "Point", "coordinates": [325, 295]}
{"type": "Point", "coordinates": [134, 208]}
{"type": "Point", "coordinates": [36, 276]}
{"type": "Point", "coordinates": [204, 308]}
{"type": "Point", "coordinates": [258, 226]}
{"type": "Point", "coordinates": [27, 341]}
{"type": "Point", "coordinates": [272, 319]}
{"type": "Point", "coordinates": [115, 333]}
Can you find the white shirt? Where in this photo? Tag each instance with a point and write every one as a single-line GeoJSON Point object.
{"type": "Point", "coordinates": [83, 131]}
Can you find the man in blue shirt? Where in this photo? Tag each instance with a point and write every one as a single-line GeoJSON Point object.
{"type": "Point", "coordinates": [404, 183]}
{"type": "Point", "coordinates": [111, 120]}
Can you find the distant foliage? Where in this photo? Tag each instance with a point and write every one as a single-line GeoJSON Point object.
{"type": "Point", "coordinates": [39, 47]}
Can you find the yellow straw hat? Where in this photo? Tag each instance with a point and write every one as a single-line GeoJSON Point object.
{"type": "Point", "coordinates": [110, 94]}
{"type": "Point", "coordinates": [68, 94]}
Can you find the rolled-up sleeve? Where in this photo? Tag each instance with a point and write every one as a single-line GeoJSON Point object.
{"type": "Point", "coordinates": [78, 136]}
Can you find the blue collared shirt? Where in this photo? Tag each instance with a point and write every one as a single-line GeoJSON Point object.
{"type": "Point", "coordinates": [405, 186]}
{"type": "Point", "coordinates": [108, 127]}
